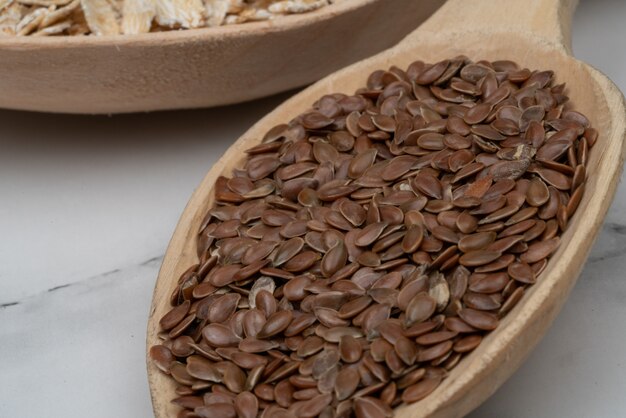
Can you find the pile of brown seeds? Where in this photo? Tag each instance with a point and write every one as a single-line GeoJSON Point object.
{"type": "Point", "coordinates": [113, 17]}
{"type": "Point", "coordinates": [369, 244]}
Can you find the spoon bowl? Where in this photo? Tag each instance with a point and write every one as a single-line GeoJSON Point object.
{"type": "Point", "coordinates": [536, 34]}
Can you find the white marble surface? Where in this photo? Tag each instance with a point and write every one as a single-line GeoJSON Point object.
{"type": "Point", "coordinates": [87, 205]}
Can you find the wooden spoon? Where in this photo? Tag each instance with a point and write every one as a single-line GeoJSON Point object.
{"type": "Point", "coordinates": [534, 33]}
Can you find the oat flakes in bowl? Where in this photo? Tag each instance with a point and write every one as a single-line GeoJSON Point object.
{"type": "Point", "coordinates": [175, 69]}
{"type": "Point", "coordinates": [131, 17]}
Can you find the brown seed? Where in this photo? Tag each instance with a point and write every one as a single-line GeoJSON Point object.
{"type": "Point", "coordinates": [476, 241]}
{"type": "Point", "coordinates": [248, 360]}
{"type": "Point", "coordinates": [439, 290]}
{"type": "Point", "coordinates": [489, 206]}
{"type": "Point", "coordinates": [310, 346]}
{"type": "Point", "coordinates": [370, 233]}
{"type": "Point", "coordinates": [225, 275]}
{"type": "Point", "coordinates": [479, 319]}
{"type": "Point", "coordinates": [315, 120]}
{"type": "Point", "coordinates": [431, 141]}
{"type": "Point", "coordinates": [369, 407]}
{"type": "Point", "coordinates": [180, 375]}
{"type": "Point", "coordinates": [467, 344]}
{"type": "Point", "coordinates": [246, 405]}
{"type": "Point", "coordinates": [265, 301]}
{"type": "Point", "coordinates": [574, 201]}
{"type": "Point", "coordinates": [518, 228]}
{"type": "Point", "coordinates": [299, 324]}
{"type": "Point", "coordinates": [478, 258]}
{"type": "Point", "coordinates": [234, 378]}
{"type": "Point", "coordinates": [579, 176]}
{"type": "Point", "coordinates": [420, 308]}
{"type": "Point", "coordinates": [218, 335]}
{"type": "Point", "coordinates": [281, 372]}
{"type": "Point", "coordinates": [549, 209]}
{"type": "Point", "coordinates": [379, 348]}
{"type": "Point", "coordinates": [258, 252]}
{"type": "Point", "coordinates": [283, 393]}
{"type": "Point", "coordinates": [460, 159]}
{"type": "Point", "coordinates": [458, 282]}
{"type": "Point", "coordinates": [499, 215]}
{"type": "Point", "coordinates": [435, 351]}
{"type": "Point", "coordinates": [406, 350]}
{"type": "Point", "coordinates": [203, 369]}
{"type": "Point", "coordinates": [511, 301]}
{"type": "Point", "coordinates": [540, 250]}
{"type": "Point", "coordinates": [421, 389]}
{"type": "Point", "coordinates": [467, 171]}
{"type": "Point", "coordinates": [329, 317]}
{"type": "Point", "coordinates": [354, 213]}
{"type": "Point", "coordinates": [505, 244]}
{"type": "Point", "coordinates": [485, 133]}
{"type": "Point", "coordinates": [350, 349]}
{"type": "Point", "coordinates": [354, 307]}
{"type": "Point", "coordinates": [346, 383]}
{"type": "Point", "coordinates": [397, 167]}
{"type": "Point", "coordinates": [313, 407]}
{"type": "Point", "coordinates": [411, 378]}
{"type": "Point", "coordinates": [294, 290]}
{"type": "Point", "coordinates": [474, 72]}
{"type": "Point", "coordinates": [288, 250]}
{"type": "Point", "coordinates": [456, 324]}
{"type": "Point", "coordinates": [554, 178]}
{"type": "Point", "coordinates": [189, 402]}
{"type": "Point", "coordinates": [223, 307]}
{"type": "Point", "coordinates": [488, 283]}
{"type": "Point", "coordinates": [561, 217]}
{"type": "Point", "coordinates": [521, 272]}
{"type": "Point", "coordinates": [368, 259]}
{"type": "Point", "coordinates": [161, 357]}
{"type": "Point", "coordinates": [432, 73]}
{"type": "Point", "coordinates": [480, 301]}
{"type": "Point", "coordinates": [216, 410]}
{"type": "Point", "coordinates": [301, 262]}
{"type": "Point", "coordinates": [435, 337]}
{"type": "Point", "coordinates": [428, 185]}
{"type": "Point", "coordinates": [537, 193]}
{"type": "Point", "coordinates": [275, 324]}
{"type": "Point", "coordinates": [361, 163]}
{"type": "Point", "coordinates": [334, 259]}
{"type": "Point", "coordinates": [252, 345]}
{"type": "Point", "coordinates": [445, 234]}
{"type": "Point", "coordinates": [477, 114]}
{"type": "Point", "coordinates": [466, 223]}
{"type": "Point", "coordinates": [175, 316]}
{"type": "Point", "coordinates": [264, 392]}
{"type": "Point", "coordinates": [389, 394]}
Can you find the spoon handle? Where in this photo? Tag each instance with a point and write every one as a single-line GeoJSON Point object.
{"type": "Point", "coordinates": [550, 20]}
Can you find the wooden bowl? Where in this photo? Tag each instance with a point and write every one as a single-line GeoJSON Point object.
{"type": "Point", "coordinates": [201, 67]}
{"type": "Point", "coordinates": [535, 34]}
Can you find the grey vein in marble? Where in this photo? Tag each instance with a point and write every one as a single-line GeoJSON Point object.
{"type": "Point", "coordinates": [147, 262]}
{"type": "Point", "coordinates": [78, 350]}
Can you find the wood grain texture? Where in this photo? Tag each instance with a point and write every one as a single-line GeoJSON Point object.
{"type": "Point", "coordinates": [480, 30]}
{"type": "Point", "coordinates": [202, 67]}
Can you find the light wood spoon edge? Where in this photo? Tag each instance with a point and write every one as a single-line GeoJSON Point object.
{"type": "Point", "coordinates": [537, 35]}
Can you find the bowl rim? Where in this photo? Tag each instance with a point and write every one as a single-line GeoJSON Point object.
{"type": "Point", "coordinates": [282, 23]}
